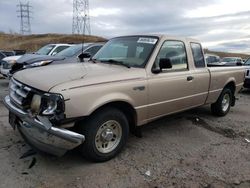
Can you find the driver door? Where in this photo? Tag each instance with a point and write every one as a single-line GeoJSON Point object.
{"type": "Point", "coordinates": [171, 90]}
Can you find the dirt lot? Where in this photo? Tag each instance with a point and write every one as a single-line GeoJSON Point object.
{"type": "Point", "coordinates": [190, 149]}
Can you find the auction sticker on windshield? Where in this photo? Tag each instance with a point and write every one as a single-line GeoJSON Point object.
{"type": "Point", "coordinates": [147, 40]}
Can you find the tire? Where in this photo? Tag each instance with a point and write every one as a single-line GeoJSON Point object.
{"type": "Point", "coordinates": [106, 133]}
{"type": "Point", "coordinates": [222, 106]}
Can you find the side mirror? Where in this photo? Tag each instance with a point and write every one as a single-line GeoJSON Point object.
{"type": "Point", "coordinates": [84, 55]}
{"type": "Point", "coordinates": [165, 63]}
{"type": "Point", "coordinates": [239, 63]}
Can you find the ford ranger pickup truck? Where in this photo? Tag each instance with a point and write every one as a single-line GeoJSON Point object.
{"type": "Point", "coordinates": [131, 81]}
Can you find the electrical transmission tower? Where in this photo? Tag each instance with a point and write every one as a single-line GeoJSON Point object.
{"type": "Point", "coordinates": [81, 20]}
{"type": "Point", "coordinates": [24, 15]}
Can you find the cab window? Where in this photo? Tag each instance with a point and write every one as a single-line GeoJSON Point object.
{"type": "Point", "coordinates": [198, 57]}
{"type": "Point", "coordinates": [175, 52]}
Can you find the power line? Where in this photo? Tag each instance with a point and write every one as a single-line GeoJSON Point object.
{"type": "Point", "coordinates": [24, 13]}
{"type": "Point", "coordinates": [81, 20]}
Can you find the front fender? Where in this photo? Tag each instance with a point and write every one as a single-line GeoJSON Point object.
{"type": "Point", "coordinates": [109, 98]}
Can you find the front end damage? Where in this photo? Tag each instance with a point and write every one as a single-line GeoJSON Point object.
{"type": "Point", "coordinates": [37, 116]}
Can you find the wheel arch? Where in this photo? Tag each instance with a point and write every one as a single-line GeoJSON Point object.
{"type": "Point", "coordinates": [125, 107]}
{"type": "Point", "coordinates": [231, 85]}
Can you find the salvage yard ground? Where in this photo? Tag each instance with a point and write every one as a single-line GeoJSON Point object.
{"type": "Point", "coordinates": [190, 149]}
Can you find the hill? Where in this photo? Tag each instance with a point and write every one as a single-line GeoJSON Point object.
{"type": "Point", "coordinates": [31, 43]}
{"type": "Point", "coordinates": [226, 54]}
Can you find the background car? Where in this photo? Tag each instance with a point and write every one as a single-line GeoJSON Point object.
{"type": "Point", "coordinates": [6, 65]}
{"type": "Point", "coordinates": [68, 55]}
{"type": "Point", "coordinates": [7, 53]}
{"type": "Point", "coordinates": [212, 60]}
{"type": "Point", "coordinates": [247, 78]}
{"type": "Point", "coordinates": [50, 49]}
{"type": "Point", "coordinates": [19, 52]}
{"type": "Point", "coordinates": [2, 55]}
{"type": "Point", "coordinates": [232, 61]}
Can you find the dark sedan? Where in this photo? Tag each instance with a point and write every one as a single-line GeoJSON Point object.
{"type": "Point", "coordinates": [69, 55]}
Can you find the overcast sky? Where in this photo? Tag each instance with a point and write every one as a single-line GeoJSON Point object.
{"type": "Point", "coordinates": [222, 25]}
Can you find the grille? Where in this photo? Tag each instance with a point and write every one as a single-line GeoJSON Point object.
{"type": "Point", "coordinates": [20, 94]}
{"type": "Point", "coordinates": [6, 65]}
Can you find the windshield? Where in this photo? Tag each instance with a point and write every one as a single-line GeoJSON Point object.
{"type": "Point", "coordinates": [45, 50]}
{"type": "Point", "coordinates": [247, 62]}
{"type": "Point", "coordinates": [131, 51]}
{"type": "Point", "coordinates": [71, 51]}
{"type": "Point", "coordinates": [229, 59]}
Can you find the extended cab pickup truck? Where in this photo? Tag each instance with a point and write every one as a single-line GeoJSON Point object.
{"type": "Point", "coordinates": [131, 81]}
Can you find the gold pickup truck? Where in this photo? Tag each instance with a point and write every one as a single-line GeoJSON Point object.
{"type": "Point", "coordinates": [131, 81]}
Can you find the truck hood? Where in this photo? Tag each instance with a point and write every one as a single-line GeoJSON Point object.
{"type": "Point", "coordinates": [75, 75]}
{"type": "Point", "coordinates": [32, 58]}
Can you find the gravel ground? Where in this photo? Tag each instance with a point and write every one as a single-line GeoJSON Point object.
{"type": "Point", "coordinates": [190, 149]}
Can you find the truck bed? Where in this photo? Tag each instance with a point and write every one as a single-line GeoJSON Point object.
{"type": "Point", "coordinates": [219, 76]}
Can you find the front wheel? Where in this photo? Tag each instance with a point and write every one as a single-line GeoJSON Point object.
{"type": "Point", "coordinates": [222, 106]}
{"type": "Point", "coordinates": [106, 133]}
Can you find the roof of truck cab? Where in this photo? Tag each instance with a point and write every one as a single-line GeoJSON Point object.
{"type": "Point", "coordinates": [162, 36]}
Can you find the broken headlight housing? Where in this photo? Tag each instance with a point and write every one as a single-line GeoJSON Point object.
{"type": "Point", "coordinates": [52, 104]}
{"type": "Point", "coordinates": [48, 104]}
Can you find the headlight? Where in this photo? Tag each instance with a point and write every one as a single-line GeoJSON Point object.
{"type": "Point", "coordinates": [37, 64]}
{"type": "Point", "coordinates": [6, 65]}
{"type": "Point", "coordinates": [12, 62]}
{"type": "Point", "coordinates": [52, 104]}
{"type": "Point", "coordinates": [50, 108]}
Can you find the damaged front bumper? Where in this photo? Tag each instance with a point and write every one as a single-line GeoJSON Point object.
{"type": "Point", "coordinates": [40, 133]}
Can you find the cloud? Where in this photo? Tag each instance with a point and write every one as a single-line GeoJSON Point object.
{"type": "Point", "coordinates": [219, 24]}
{"type": "Point", "coordinates": [221, 7]}
{"type": "Point", "coordinates": [97, 12]}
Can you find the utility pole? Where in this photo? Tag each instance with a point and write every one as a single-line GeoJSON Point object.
{"type": "Point", "coordinates": [81, 20]}
{"type": "Point", "coordinates": [24, 12]}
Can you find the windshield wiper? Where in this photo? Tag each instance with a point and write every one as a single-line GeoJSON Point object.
{"type": "Point", "coordinates": [115, 62]}
{"type": "Point", "coordinates": [93, 60]}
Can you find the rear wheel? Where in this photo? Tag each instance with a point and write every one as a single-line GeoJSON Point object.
{"type": "Point", "coordinates": [222, 106]}
{"type": "Point", "coordinates": [106, 133]}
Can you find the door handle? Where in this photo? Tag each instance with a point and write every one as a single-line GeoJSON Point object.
{"type": "Point", "coordinates": [189, 78]}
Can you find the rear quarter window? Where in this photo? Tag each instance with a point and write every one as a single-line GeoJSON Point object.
{"type": "Point", "coordinates": [198, 57]}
